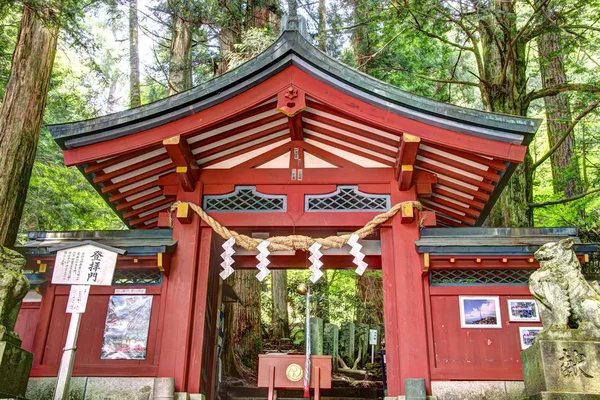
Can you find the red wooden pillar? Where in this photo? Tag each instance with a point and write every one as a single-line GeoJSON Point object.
{"type": "Point", "coordinates": [404, 302]}
{"type": "Point", "coordinates": [178, 321]}
{"type": "Point", "coordinates": [201, 343]}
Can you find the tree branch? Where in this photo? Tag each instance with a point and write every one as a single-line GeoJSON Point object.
{"type": "Point", "coordinates": [582, 114]}
{"type": "Point", "coordinates": [564, 87]}
{"type": "Point", "coordinates": [565, 200]}
{"type": "Point", "coordinates": [447, 81]}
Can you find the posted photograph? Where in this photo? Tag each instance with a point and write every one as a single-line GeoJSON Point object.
{"type": "Point", "coordinates": [480, 312]}
{"type": "Point", "coordinates": [523, 310]}
{"type": "Point", "coordinates": [527, 334]}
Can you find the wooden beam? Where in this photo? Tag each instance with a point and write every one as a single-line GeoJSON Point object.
{"type": "Point", "coordinates": [405, 160]}
{"type": "Point", "coordinates": [296, 129]}
{"type": "Point", "coordinates": [184, 213]}
{"type": "Point", "coordinates": [405, 177]}
{"type": "Point", "coordinates": [424, 182]}
{"type": "Point", "coordinates": [186, 167]}
{"type": "Point", "coordinates": [427, 219]}
{"type": "Point", "coordinates": [407, 213]}
{"type": "Point", "coordinates": [164, 221]}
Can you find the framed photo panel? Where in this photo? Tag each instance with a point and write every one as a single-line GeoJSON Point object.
{"type": "Point", "coordinates": [480, 312]}
{"type": "Point", "coordinates": [527, 334]}
{"type": "Point", "coordinates": [523, 310]}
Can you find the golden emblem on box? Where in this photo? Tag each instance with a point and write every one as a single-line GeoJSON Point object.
{"type": "Point", "coordinates": [294, 372]}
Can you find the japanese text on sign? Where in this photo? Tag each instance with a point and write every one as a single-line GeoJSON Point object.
{"type": "Point", "coordinates": [84, 265]}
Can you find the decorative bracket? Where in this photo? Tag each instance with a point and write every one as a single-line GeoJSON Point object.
{"type": "Point", "coordinates": [407, 155]}
{"type": "Point", "coordinates": [186, 166]}
{"type": "Point", "coordinates": [291, 101]}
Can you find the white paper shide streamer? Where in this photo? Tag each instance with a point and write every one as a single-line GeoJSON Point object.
{"type": "Point", "coordinates": [358, 256]}
{"type": "Point", "coordinates": [316, 265]}
{"type": "Point", "coordinates": [263, 261]}
{"type": "Point", "coordinates": [227, 258]}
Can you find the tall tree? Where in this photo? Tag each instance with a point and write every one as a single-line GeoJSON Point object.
{"type": "Point", "coordinates": [280, 318]}
{"type": "Point", "coordinates": [566, 176]}
{"type": "Point", "coordinates": [22, 111]}
{"type": "Point", "coordinates": [494, 34]}
{"type": "Point", "coordinates": [243, 341]}
{"type": "Point", "coordinates": [322, 34]}
{"type": "Point", "coordinates": [180, 60]}
{"type": "Point", "coordinates": [134, 57]}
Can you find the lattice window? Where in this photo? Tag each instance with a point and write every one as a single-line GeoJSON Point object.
{"type": "Point", "coordinates": [480, 277]}
{"type": "Point", "coordinates": [140, 277]}
{"type": "Point", "coordinates": [245, 198]}
{"type": "Point", "coordinates": [347, 198]}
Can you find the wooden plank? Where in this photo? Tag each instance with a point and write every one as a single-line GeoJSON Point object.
{"type": "Point", "coordinates": [295, 125]}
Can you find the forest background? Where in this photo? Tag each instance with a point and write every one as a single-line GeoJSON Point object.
{"type": "Point", "coordinates": [67, 60]}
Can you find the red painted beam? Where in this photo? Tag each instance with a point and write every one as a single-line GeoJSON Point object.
{"type": "Point", "coordinates": [407, 155]}
{"type": "Point", "coordinates": [441, 171]}
{"type": "Point", "coordinates": [309, 116]}
{"type": "Point", "coordinates": [348, 149]}
{"type": "Point", "coordinates": [295, 124]}
{"type": "Point", "coordinates": [494, 177]}
{"type": "Point", "coordinates": [237, 130]}
{"type": "Point", "coordinates": [348, 139]}
{"type": "Point", "coordinates": [388, 121]}
{"type": "Point", "coordinates": [187, 168]}
{"type": "Point", "coordinates": [187, 126]}
{"type": "Point", "coordinates": [137, 178]}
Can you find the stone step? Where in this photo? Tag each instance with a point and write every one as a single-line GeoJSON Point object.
{"type": "Point", "coordinates": [343, 393]}
{"type": "Point", "coordinates": [336, 392]}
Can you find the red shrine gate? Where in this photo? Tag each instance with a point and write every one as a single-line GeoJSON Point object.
{"type": "Point", "coordinates": [295, 142]}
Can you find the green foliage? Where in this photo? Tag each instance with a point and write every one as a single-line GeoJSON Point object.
{"type": "Point", "coordinates": [254, 41]}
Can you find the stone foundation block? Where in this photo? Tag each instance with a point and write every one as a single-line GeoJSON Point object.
{"type": "Point", "coordinates": [563, 367]}
{"type": "Point", "coordinates": [43, 388]}
{"type": "Point", "coordinates": [15, 365]}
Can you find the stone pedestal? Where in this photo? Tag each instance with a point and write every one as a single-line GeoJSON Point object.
{"type": "Point", "coordinates": [15, 365]}
{"type": "Point", "coordinates": [562, 369]}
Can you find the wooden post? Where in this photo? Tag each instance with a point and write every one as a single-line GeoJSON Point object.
{"type": "Point", "coordinates": [404, 302]}
{"type": "Point", "coordinates": [180, 296]}
{"type": "Point", "coordinates": [272, 382]}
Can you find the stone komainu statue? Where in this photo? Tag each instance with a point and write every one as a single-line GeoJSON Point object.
{"type": "Point", "coordinates": [13, 287]}
{"type": "Point", "coordinates": [564, 297]}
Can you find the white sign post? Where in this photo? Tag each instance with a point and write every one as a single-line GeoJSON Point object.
{"type": "Point", "coordinates": [79, 266]}
{"type": "Point", "coordinates": [373, 343]}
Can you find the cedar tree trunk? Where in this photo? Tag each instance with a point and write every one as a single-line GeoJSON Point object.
{"type": "Point", "coordinates": [243, 342]}
{"type": "Point", "coordinates": [322, 25]}
{"type": "Point", "coordinates": [134, 58]}
{"type": "Point", "coordinates": [22, 111]}
{"type": "Point", "coordinates": [180, 69]}
{"type": "Point", "coordinates": [566, 177]}
{"type": "Point", "coordinates": [280, 319]}
{"type": "Point", "coordinates": [503, 67]}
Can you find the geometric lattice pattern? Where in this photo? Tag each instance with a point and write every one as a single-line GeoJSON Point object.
{"type": "Point", "coordinates": [347, 198]}
{"type": "Point", "coordinates": [245, 198]}
{"type": "Point", "coordinates": [145, 277]}
{"type": "Point", "coordinates": [480, 277]}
